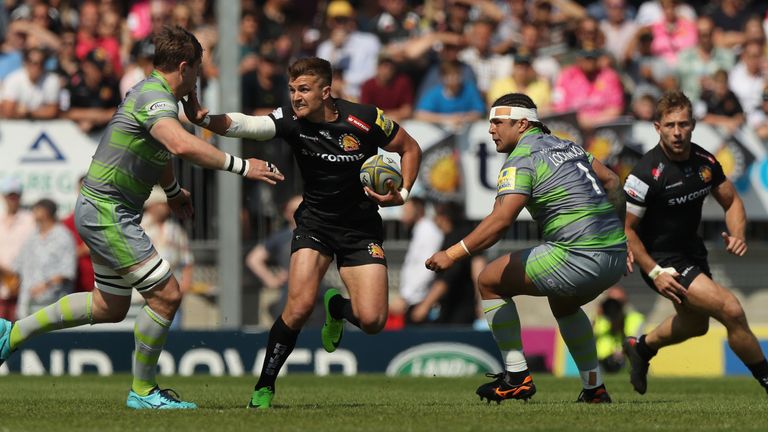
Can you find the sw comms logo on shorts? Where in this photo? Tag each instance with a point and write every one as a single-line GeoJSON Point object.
{"type": "Point", "coordinates": [445, 359]}
{"type": "Point", "coordinates": [375, 250]}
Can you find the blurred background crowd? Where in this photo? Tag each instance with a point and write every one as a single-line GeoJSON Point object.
{"type": "Point", "coordinates": [437, 61]}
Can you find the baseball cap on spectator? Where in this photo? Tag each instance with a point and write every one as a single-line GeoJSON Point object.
{"type": "Point", "coordinates": [523, 58]}
{"type": "Point", "coordinates": [144, 49]}
{"type": "Point", "coordinates": [11, 185]}
{"type": "Point", "coordinates": [98, 57]}
{"type": "Point", "coordinates": [340, 8]}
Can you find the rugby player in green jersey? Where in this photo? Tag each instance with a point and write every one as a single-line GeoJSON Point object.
{"type": "Point", "coordinates": [131, 158]}
{"type": "Point", "coordinates": [579, 206]}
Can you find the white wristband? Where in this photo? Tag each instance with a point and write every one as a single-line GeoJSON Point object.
{"type": "Point", "coordinates": [205, 122]}
{"type": "Point", "coordinates": [656, 271]}
{"type": "Point", "coordinates": [466, 249]}
{"type": "Point", "coordinates": [404, 194]}
{"type": "Point", "coordinates": [172, 191]}
{"type": "Point", "coordinates": [235, 165]}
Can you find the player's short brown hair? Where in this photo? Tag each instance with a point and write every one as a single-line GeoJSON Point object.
{"type": "Point", "coordinates": [312, 66]}
{"type": "Point", "coordinates": [672, 101]}
{"type": "Point", "coordinates": [174, 45]}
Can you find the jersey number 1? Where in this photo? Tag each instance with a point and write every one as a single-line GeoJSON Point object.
{"type": "Point", "coordinates": [589, 176]}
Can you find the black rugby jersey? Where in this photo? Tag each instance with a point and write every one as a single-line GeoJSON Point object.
{"type": "Point", "coordinates": [672, 193]}
{"type": "Point", "coordinates": [330, 154]}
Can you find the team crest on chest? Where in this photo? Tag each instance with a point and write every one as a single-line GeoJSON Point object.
{"type": "Point", "coordinates": [349, 143]}
{"type": "Point", "coordinates": [375, 250]}
{"type": "Point", "coordinates": [705, 173]}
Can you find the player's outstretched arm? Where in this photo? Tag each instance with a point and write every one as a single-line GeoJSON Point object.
{"type": "Point", "coordinates": [486, 234]}
{"type": "Point", "coordinates": [233, 125]}
{"type": "Point", "coordinates": [189, 147]}
{"type": "Point", "coordinates": [612, 185]}
{"type": "Point", "coordinates": [735, 217]}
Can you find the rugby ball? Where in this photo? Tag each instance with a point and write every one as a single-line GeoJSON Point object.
{"type": "Point", "coordinates": [377, 169]}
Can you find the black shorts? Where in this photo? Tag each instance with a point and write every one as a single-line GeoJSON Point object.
{"type": "Point", "coordinates": [687, 266]}
{"type": "Point", "coordinates": [353, 239]}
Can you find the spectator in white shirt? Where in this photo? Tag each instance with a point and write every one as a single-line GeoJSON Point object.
{"type": "Point", "coordinates": [747, 80]}
{"type": "Point", "coordinates": [31, 92]}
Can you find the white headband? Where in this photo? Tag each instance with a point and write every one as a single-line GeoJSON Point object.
{"type": "Point", "coordinates": [513, 113]}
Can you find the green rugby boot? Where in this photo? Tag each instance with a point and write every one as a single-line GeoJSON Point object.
{"type": "Point", "coordinates": [333, 329]}
{"type": "Point", "coordinates": [261, 398]}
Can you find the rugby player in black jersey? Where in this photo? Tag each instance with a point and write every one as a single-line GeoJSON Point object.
{"type": "Point", "coordinates": [665, 193]}
{"type": "Point", "coordinates": [331, 138]}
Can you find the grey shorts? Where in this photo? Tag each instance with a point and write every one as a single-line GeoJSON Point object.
{"type": "Point", "coordinates": [117, 242]}
{"type": "Point", "coordinates": [561, 272]}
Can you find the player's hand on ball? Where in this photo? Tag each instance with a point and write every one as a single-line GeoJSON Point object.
{"type": "Point", "coordinates": [181, 205]}
{"type": "Point", "coordinates": [192, 108]}
{"type": "Point", "coordinates": [733, 244]}
{"type": "Point", "coordinates": [669, 287]}
{"type": "Point", "coordinates": [439, 261]}
{"type": "Point", "coordinates": [392, 198]}
{"type": "Point", "coordinates": [264, 171]}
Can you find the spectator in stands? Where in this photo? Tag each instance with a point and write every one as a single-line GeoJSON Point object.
{"type": "Point", "coordinates": [617, 26]}
{"type": "Point", "coordinates": [594, 92]}
{"type": "Point", "coordinates": [389, 90]}
{"type": "Point", "coordinates": [615, 321]}
{"type": "Point", "coordinates": [31, 92]}
{"type": "Point", "coordinates": [509, 31]}
{"type": "Point", "coordinates": [601, 10]}
{"type": "Point", "coordinates": [396, 24]}
{"type": "Point", "coordinates": [698, 63]}
{"type": "Point", "coordinates": [426, 238]}
{"type": "Point", "coordinates": [747, 79]}
{"type": "Point", "coordinates": [16, 225]}
{"type": "Point", "coordinates": [353, 52]}
{"type": "Point", "coordinates": [643, 107]}
{"type": "Point", "coordinates": [479, 55]}
{"type": "Point", "coordinates": [544, 64]}
{"type": "Point", "coordinates": [523, 80]}
{"type": "Point", "coordinates": [46, 263]}
{"type": "Point", "coordinates": [672, 34]}
{"type": "Point", "coordinates": [248, 39]}
{"type": "Point", "coordinates": [88, 37]}
{"type": "Point", "coordinates": [12, 50]}
{"type": "Point", "coordinates": [142, 54]}
{"type": "Point", "coordinates": [274, 17]}
{"type": "Point", "coordinates": [552, 37]}
{"type": "Point", "coordinates": [67, 64]}
{"type": "Point", "coordinates": [729, 17]}
{"type": "Point", "coordinates": [453, 292]}
{"type": "Point", "coordinates": [439, 48]}
{"type": "Point", "coordinates": [722, 106]}
{"type": "Point", "coordinates": [652, 11]}
{"type": "Point", "coordinates": [454, 103]}
{"type": "Point", "coordinates": [171, 242]}
{"type": "Point", "coordinates": [84, 277]}
{"type": "Point", "coordinates": [93, 92]}
{"type": "Point", "coordinates": [270, 260]}
{"type": "Point", "coordinates": [265, 88]}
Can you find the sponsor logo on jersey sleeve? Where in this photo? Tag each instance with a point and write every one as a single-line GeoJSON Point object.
{"type": "Point", "coordinates": [506, 180]}
{"type": "Point", "coordinates": [375, 250]}
{"type": "Point", "coordinates": [161, 106]}
{"type": "Point", "coordinates": [636, 188]}
{"type": "Point", "coordinates": [349, 142]}
{"type": "Point", "coordinates": [384, 123]}
{"type": "Point", "coordinates": [356, 122]}
{"type": "Point", "coordinates": [277, 113]}
{"type": "Point", "coordinates": [705, 173]}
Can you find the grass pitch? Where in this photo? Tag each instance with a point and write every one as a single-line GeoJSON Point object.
{"type": "Point", "coordinates": [377, 403]}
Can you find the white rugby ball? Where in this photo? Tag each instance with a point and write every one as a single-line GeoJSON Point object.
{"type": "Point", "coordinates": [377, 169]}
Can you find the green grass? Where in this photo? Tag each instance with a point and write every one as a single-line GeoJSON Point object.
{"type": "Point", "coordinates": [377, 403]}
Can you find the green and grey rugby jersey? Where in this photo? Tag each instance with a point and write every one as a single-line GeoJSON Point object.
{"type": "Point", "coordinates": [565, 196]}
{"type": "Point", "coordinates": [128, 160]}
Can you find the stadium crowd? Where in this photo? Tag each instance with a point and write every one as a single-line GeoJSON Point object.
{"type": "Point", "coordinates": [440, 61]}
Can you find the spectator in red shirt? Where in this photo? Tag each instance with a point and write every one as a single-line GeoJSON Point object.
{"type": "Point", "coordinates": [389, 90]}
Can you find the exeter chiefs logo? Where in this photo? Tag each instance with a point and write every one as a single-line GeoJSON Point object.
{"type": "Point", "coordinates": [349, 142]}
{"type": "Point", "coordinates": [375, 250]}
{"type": "Point", "coordinates": [705, 173]}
